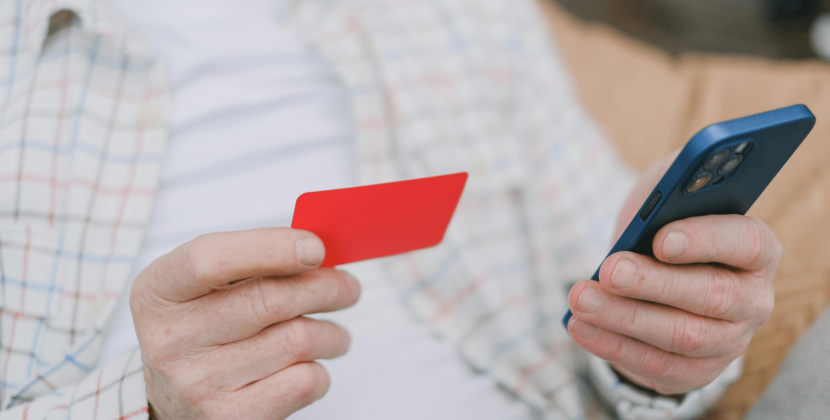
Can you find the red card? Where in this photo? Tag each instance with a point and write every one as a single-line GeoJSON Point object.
{"type": "Point", "coordinates": [375, 221]}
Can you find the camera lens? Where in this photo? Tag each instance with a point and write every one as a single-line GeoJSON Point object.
{"type": "Point", "coordinates": [699, 182]}
{"type": "Point", "coordinates": [716, 159]}
{"type": "Point", "coordinates": [730, 164]}
{"type": "Point", "coordinates": [741, 148]}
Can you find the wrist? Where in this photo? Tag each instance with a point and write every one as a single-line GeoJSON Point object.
{"type": "Point", "coordinates": [650, 392]}
{"type": "Point", "coordinates": [636, 402]}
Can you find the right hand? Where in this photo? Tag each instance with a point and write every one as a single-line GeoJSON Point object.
{"type": "Point", "coordinates": [221, 327]}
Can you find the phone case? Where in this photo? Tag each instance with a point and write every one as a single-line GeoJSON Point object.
{"type": "Point", "coordinates": [770, 138]}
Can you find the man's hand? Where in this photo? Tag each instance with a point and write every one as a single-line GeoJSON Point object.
{"type": "Point", "coordinates": [221, 327]}
{"type": "Point", "coordinates": [674, 323]}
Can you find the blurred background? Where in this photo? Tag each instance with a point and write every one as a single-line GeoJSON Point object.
{"type": "Point", "coordinates": [767, 28]}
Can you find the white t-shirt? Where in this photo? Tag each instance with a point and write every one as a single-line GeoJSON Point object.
{"type": "Point", "coordinates": [257, 120]}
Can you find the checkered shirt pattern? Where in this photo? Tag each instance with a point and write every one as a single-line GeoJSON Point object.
{"type": "Point", "coordinates": [437, 87]}
{"type": "Point", "coordinates": [477, 86]}
{"type": "Point", "coordinates": [463, 85]}
{"type": "Point", "coordinates": [81, 142]}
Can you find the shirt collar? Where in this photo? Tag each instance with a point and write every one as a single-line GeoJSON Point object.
{"type": "Point", "coordinates": [96, 17]}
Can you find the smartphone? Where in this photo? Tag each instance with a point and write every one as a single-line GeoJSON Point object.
{"type": "Point", "coordinates": [721, 170]}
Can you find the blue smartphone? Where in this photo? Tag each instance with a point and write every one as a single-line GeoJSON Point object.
{"type": "Point", "coordinates": [722, 170]}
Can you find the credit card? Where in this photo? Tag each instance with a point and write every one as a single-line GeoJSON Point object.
{"type": "Point", "coordinates": [380, 220]}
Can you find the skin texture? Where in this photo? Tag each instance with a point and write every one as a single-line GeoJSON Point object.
{"type": "Point", "coordinates": [674, 322]}
{"type": "Point", "coordinates": [221, 327]}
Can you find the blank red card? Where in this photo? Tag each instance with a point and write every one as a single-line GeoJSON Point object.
{"type": "Point", "coordinates": [375, 221]}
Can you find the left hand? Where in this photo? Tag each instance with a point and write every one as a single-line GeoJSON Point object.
{"type": "Point", "coordinates": [674, 323]}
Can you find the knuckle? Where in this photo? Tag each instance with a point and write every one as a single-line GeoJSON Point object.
{"type": "Point", "coordinates": [658, 366]}
{"type": "Point", "coordinates": [144, 293]}
{"type": "Point", "coordinates": [691, 335]}
{"type": "Point", "coordinates": [154, 350]}
{"type": "Point", "coordinates": [193, 257]}
{"type": "Point", "coordinates": [777, 250]}
{"type": "Point", "coordinates": [332, 289]}
{"type": "Point", "coordinates": [345, 290]}
{"type": "Point", "coordinates": [767, 237]}
{"type": "Point", "coordinates": [344, 339]}
{"type": "Point", "coordinates": [200, 258]}
{"type": "Point", "coordinates": [347, 341]}
{"type": "Point", "coordinates": [153, 357]}
{"type": "Point", "coordinates": [189, 395]}
{"type": "Point", "coordinates": [138, 300]}
{"type": "Point", "coordinates": [335, 288]}
{"type": "Point", "coordinates": [763, 307]}
{"type": "Point", "coordinates": [165, 350]}
{"type": "Point", "coordinates": [308, 381]}
{"type": "Point", "coordinates": [192, 395]}
{"type": "Point", "coordinates": [717, 300]}
{"type": "Point", "coordinates": [182, 385]}
{"type": "Point", "coordinates": [262, 309]}
{"type": "Point", "coordinates": [300, 340]}
{"type": "Point", "coordinates": [753, 246]}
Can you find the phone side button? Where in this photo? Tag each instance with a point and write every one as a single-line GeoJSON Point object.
{"type": "Point", "coordinates": [652, 202]}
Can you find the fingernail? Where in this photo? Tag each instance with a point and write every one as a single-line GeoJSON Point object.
{"type": "Point", "coordinates": [625, 274]}
{"type": "Point", "coordinates": [583, 329]}
{"type": "Point", "coordinates": [675, 245]}
{"type": "Point", "coordinates": [310, 251]}
{"type": "Point", "coordinates": [354, 285]}
{"type": "Point", "coordinates": [590, 301]}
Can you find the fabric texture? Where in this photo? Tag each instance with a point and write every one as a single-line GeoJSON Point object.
{"type": "Point", "coordinates": [436, 87]}
{"type": "Point", "coordinates": [634, 404]}
{"type": "Point", "coordinates": [801, 388]}
{"type": "Point", "coordinates": [456, 85]}
{"type": "Point", "coordinates": [450, 86]}
{"type": "Point", "coordinates": [82, 136]}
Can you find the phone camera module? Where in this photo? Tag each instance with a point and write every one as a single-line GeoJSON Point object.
{"type": "Point", "coordinates": [699, 182]}
{"type": "Point", "coordinates": [716, 159]}
{"type": "Point", "coordinates": [730, 164]}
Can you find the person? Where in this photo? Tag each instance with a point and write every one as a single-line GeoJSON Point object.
{"type": "Point", "coordinates": [272, 99]}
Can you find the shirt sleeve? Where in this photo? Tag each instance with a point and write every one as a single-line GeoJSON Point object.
{"type": "Point", "coordinates": [634, 404]}
{"type": "Point", "coordinates": [116, 391]}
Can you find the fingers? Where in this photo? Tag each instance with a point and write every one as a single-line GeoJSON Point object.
{"type": "Point", "coordinates": [663, 327]}
{"type": "Point", "coordinates": [277, 347]}
{"type": "Point", "coordinates": [245, 309]}
{"type": "Point", "coordinates": [281, 394]}
{"type": "Point", "coordinates": [665, 372]}
{"type": "Point", "coordinates": [701, 289]}
{"type": "Point", "coordinates": [212, 261]}
{"type": "Point", "coordinates": [737, 241]}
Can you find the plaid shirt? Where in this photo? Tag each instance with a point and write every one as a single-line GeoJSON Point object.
{"type": "Point", "coordinates": [437, 87]}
